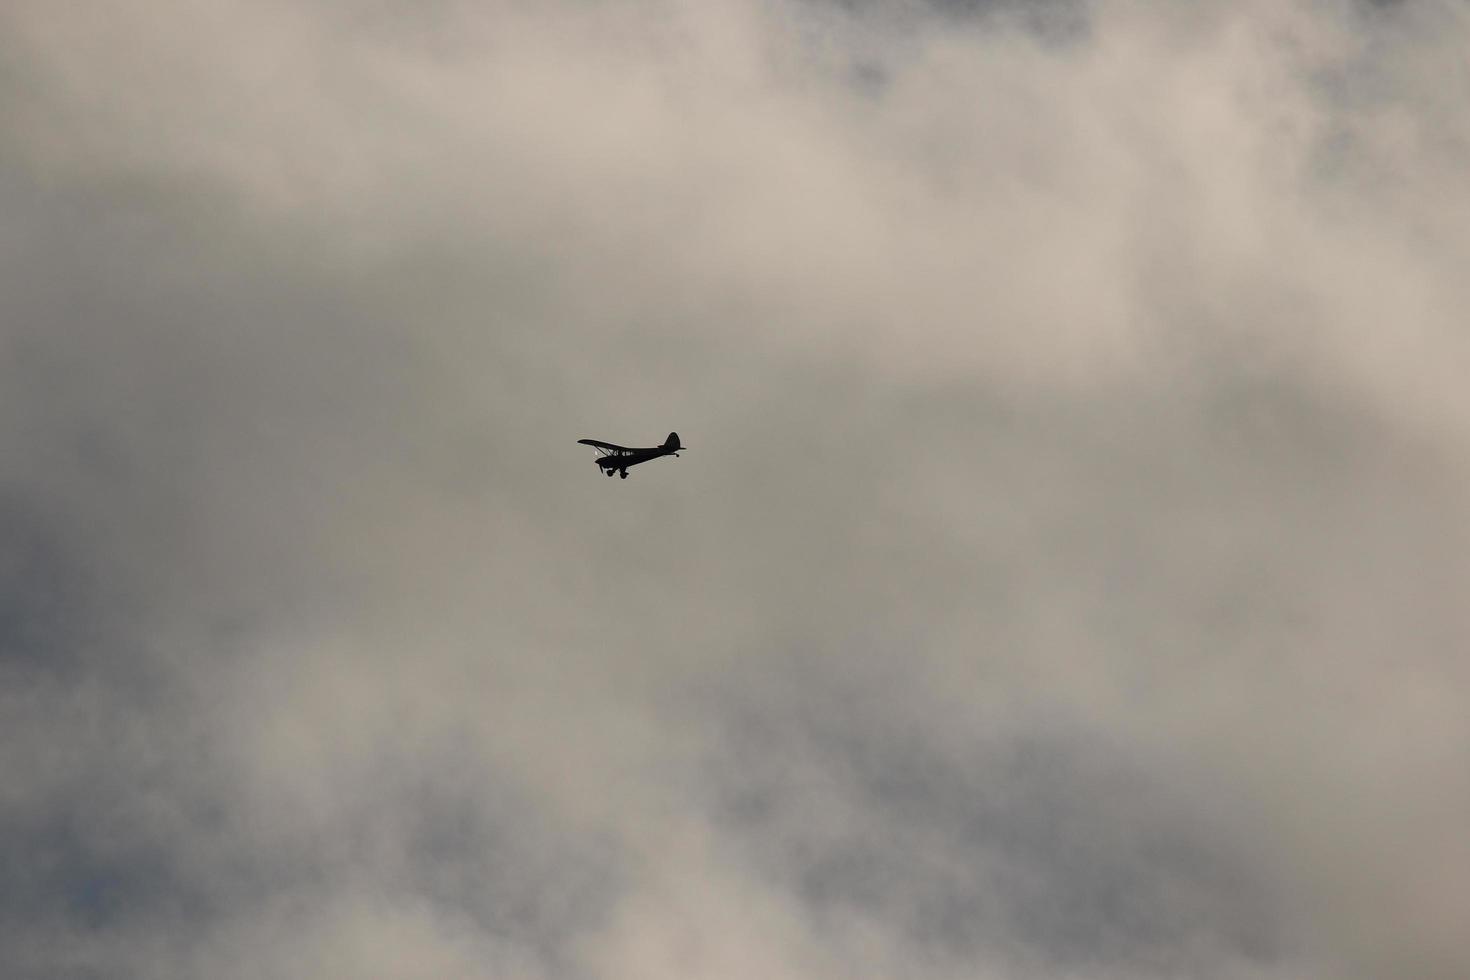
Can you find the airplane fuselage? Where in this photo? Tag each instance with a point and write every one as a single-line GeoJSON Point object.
{"type": "Point", "coordinates": [637, 456]}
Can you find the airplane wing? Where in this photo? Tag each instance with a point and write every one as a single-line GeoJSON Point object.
{"type": "Point", "coordinates": [605, 448]}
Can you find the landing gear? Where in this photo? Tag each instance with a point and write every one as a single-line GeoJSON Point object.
{"type": "Point", "coordinates": [623, 474]}
{"type": "Point", "coordinates": [609, 472]}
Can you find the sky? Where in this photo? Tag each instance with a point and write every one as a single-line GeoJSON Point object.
{"type": "Point", "coordinates": [1065, 578]}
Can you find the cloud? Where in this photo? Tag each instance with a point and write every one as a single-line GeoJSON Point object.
{"type": "Point", "coordinates": [1064, 580]}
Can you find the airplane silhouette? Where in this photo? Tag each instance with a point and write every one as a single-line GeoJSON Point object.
{"type": "Point", "coordinates": [619, 458]}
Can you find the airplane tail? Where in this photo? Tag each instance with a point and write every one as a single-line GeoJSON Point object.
{"type": "Point", "coordinates": [672, 442]}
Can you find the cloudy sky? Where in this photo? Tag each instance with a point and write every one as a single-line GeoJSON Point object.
{"type": "Point", "coordinates": [1067, 578]}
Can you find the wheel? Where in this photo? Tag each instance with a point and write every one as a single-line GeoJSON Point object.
{"type": "Point", "coordinates": [623, 474]}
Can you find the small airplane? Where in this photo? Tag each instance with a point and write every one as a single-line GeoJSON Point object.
{"type": "Point", "coordinates": [619, 458]}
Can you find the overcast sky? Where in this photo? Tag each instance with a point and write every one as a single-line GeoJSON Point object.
{"type": "Point", "coordinates": [1067, 578]}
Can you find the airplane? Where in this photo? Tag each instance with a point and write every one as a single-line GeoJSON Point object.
{"type": "Point", "coordinates": [619, 458]}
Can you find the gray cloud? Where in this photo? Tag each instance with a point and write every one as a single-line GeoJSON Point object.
{"type": "Point", "coordinates": [1065, 579]}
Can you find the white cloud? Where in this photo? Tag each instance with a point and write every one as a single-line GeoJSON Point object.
{"type": "Point", "coordinates": [1064, 581]}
